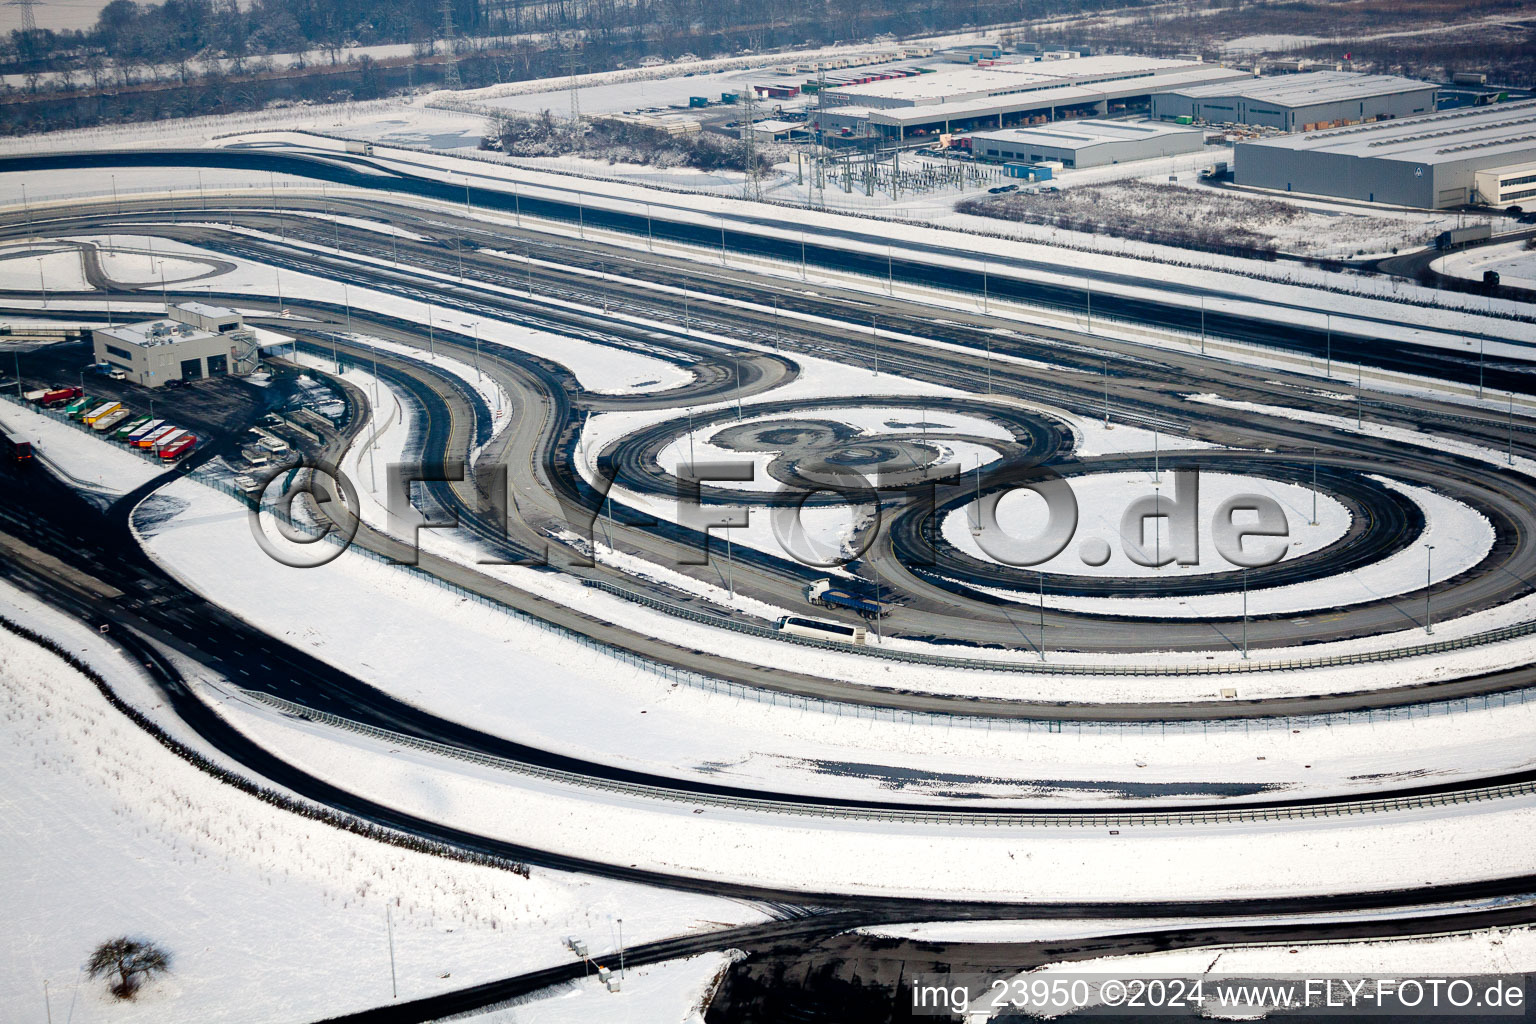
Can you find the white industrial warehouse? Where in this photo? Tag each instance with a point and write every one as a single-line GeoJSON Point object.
{"type": "Point", "coordinates": [1434, 161]}
{"type": "Point", "coordinates": [1009, 92]}
{"type": "Point", "coordinates": [1086, 143]}
{"type": "Point", "coordinates": [1304, 102]}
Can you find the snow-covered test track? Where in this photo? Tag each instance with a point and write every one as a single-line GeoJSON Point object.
{"type": "Point", "coordinates": [1012, 733]}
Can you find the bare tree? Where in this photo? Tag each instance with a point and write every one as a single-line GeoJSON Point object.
{"type": "Point", "coordinates": [130, 961]}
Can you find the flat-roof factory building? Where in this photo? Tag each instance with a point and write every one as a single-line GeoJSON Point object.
{"type": "Point", "coordinates": [1007, 93]}
{"type": "Point", "coordinates": [195, 340]}
{"type": "Point", "coordinates": [1086, 143]}
{"type": "Point", "coordinates": [1292, 103]}
{"type": "Point", "coordinates": [1434, 161]}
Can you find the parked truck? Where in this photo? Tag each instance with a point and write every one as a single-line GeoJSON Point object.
{"type": "Point", "coordinates": [150, 439]}
{"type": "Point", "coordinates": [101, 411]}
{"type": "Point", "coordinates": [59, 396]}
{"type": "Point", "coordinates": [17, 448]}
{"type": "Point", "coordinates": [823, 593]}
{"type": "Point", "coordinates": [179, 447]}
{"type": "Point", "coordinates": [1461, 236]}
{"type": "Point", "coordinates": [105, 423]}
{"type": "Point", "coordinates": [124, 430]}
{"type": "Point", "coordinates": [147, 427]}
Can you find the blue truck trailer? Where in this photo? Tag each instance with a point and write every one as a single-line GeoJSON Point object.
{"type": "Point", "coordinates": [823, 593]}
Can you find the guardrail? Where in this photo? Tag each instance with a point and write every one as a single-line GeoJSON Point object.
{"type": "Point", "coordinates": [1499, 635]}
{"type": "Point", "coordinates": [1030, 819]}
{"type": "Point", "coordinates": [841, 709]}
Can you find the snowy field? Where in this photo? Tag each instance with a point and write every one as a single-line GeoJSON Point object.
{"type": "Point", "coordinates": [810, 854]}
{"type": "Point", "coordinates": [1514, 262]}
{"type": "Point", "coordinates": [1133, 201]}
{"type": "Point", "coordinates": [1103, 497]}
{"type": "Point", "coordinates": [270, 917]}
{"type": "Point", "coordinates": [673, 992]}
{"type": "Point", "coordinates": [1494, 951]}
{"type": "Point", "coordinates": [872, 423]}
{"type": "Point", "coordinates": [642, 720]}
{"type": "Point", "coordinates": [86, 460]}
{"type": "Point", "coordinates": [36, 269]}
{"type": "Point", "coordinates": [1462, 537]}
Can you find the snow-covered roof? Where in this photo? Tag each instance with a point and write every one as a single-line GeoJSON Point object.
{"type": "Point", "coordinates": [1081, 134]}
{"type": "Point", "coordinates": [204, 309]}
{"type": "Point", "coordinates": [153, 333]}
{"type": "Point", "coordinates": [776, 126]}
{"type": "Point", "coordinates": [1065, 95]}
{"type": "Point", "coordinates": [1308, 89]}
{"type": "Point", "coordinates": [962, 81]}
{"type": "Point", "coordinates": [1428, 138]}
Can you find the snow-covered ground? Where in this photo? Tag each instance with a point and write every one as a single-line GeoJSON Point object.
{"type": "Point", "coordinates": [1066, 929]}
{"type": "Point", "coordinates": [34, 269]}
{"type": "Point", "coordinates": [673, 992]}
{"type": "Point", "coordinates": [1135, 197]}
{"type": "Point", "coordinates": [819, 854]}
{"type": "Point", "coordinates": [84, 458]}
{"type": "Point", "coordinates": [872, 422]}
{"type": "Point", "coordinates": [1505, 952]}
{"type": "Point", "coordinates": [1514, 262]}
{"type": "Point", "coordinates": [602, 369]}
{"type": "Point", "coordinates": [1462, 537]}
{"type": "Point", "coordinates": [1102, 498]}
{"type": "Point", "coordinates": [147, 267]}
{"type": "Point", "coordinates": [644, 720]}
{"type": "Point", "coordinates": [269, 917]}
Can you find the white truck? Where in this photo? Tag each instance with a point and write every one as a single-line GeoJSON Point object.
{"type": "Point", "coordinates": [360, 148]}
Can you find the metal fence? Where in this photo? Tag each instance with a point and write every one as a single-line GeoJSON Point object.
{"type": "Point", "coordinates": [1031, 819]}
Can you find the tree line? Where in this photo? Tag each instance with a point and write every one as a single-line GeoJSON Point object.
{"type": "Point", "coordinates": [186, 29]}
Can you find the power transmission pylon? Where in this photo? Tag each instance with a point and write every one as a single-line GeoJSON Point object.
{"type": "Point", "coordinates": [28, 19]}
{"type": "Point", "coordinates": [451, 78]}
{"type": "Point", "coordinates": [754, 187]}
{"type": "Point", "coordinates": [574, 88]}
{"type": "Point", "coordinates": [819, 179]}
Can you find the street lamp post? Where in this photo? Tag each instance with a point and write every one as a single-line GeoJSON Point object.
{"type": "Point", "coordinates": [1041, 574]}
{"type": "Point", "coordinates": [1314, 486]}
{"type": "Point", "coordinates": [1429, 580]}
{"type": "Point", "coordinates": [1245, 614]}
{"type": "Point", "coordinates": [1106, 395]}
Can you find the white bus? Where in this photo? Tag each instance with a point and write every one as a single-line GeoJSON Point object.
{"type": "Point", "coordinates": [816, 629]}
